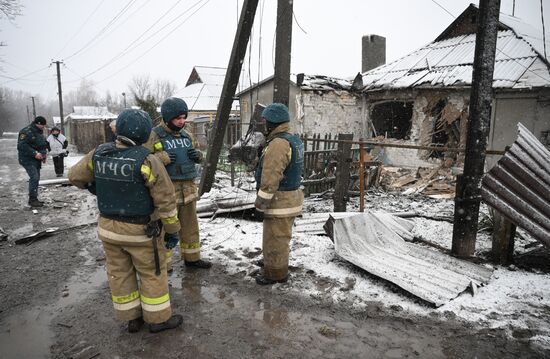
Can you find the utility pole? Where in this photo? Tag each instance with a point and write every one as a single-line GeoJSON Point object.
{"type": "Point", "coordinates": [33, 108]}
{"type": "Point", "coordinates": [60, 94]}
{"type": "Point", "coordinates": [283, 44]}
{"type": "Point", "coordinates": [28, 115]}
{"type": "Point", "coordinates": [228, 91]}
{"type": "Point", "coordinates": [124, 96]}
{"type": "Point", "coordinates": [468, 186]}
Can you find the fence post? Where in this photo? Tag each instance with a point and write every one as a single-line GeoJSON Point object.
{"type": "Point", "coordinates": [503, 239]}
{"type": "Point", "coordinates": [342, 172]}
{"type": "Point", "coordinates": [361, 176]}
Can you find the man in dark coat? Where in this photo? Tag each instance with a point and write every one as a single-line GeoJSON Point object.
{"type": "Point", "coordinates": [32, 150]}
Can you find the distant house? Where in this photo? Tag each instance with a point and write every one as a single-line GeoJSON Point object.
{"type": "Point", "coordinates": [317, 104]}
{"type": "Point", "coordinates": [423, 97]}
{"type": "Point", "coordinates": [88, 126]}
{"type": "Point", "coordinates": [202, 94]}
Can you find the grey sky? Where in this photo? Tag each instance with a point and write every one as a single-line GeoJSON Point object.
{"type": "Point", "coordinates": [327, 40]}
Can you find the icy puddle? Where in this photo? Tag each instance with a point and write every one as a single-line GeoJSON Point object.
{"type": "Point", "coordinates": [29, 334]}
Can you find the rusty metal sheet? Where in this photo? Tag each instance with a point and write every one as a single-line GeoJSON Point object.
{"type": "Point", "coordinates": [518, 186]}
{"type": "Point", "coordinates": [368, 242]}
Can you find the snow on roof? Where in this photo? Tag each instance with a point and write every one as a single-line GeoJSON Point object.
{"type": "Point", "coordinates": [204, 89]}
{"type": "Point", "coordinates": [323, 83]}
{"type": "Point", "coordinates": [211, 75]}
{"type": "Point", "coordinates": [90, 110]}
{"type": "Point", "coordinates": [90, 113]}
{"type": "Point", "coordinates": [309, 82]}
{"type": "Point", "coordinates": [519, 61]}
{"type": "Point", "coordinates": [450, 63]}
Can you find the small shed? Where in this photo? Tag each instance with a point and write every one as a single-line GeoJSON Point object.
{"type": "Point", "coordinates": [88, 126]}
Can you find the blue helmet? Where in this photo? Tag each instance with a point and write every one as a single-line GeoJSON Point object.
{"type": "Point", "coordinates": [135, 125]}
{"type": "Point", "coordinates": [173, 107]}
{"type": "Point", "coordinates": [276, 113]}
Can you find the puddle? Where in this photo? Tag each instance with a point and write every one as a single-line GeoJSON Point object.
{"type": "Point", "coordinates": [28, 334]}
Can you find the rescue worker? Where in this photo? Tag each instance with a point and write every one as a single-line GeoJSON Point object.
{"type": "Point", "coordinates": [133, 189]}
{"type": "Point", "coordinates": [278, 179]}
{"type": "Point", "coordinates": [32, 150]}
{"type": "Point", "coordinates": [57, 147]}
{"type": "Point", "coordinates": [175, 147]}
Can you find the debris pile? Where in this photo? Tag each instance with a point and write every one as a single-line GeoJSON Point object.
{"type": "Point", "coordinates": [431, 182]}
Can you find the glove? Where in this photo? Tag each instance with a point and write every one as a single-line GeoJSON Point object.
{"type": "Point", "coordinates": [172, 156]}
{"type": "Point", "coordinates": [170, 240]}
{"type": "Point", "coordinates": [194, 155]}
{"type": "Point", "coordinates": [262, 204]}
{"type": "Point", "coordinates": [91, 188]}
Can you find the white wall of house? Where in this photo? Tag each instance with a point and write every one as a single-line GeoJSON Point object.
{"type": "Point", "coordinates": [532, 109]}
{"type": "Point", "coordinates": [329, 112]}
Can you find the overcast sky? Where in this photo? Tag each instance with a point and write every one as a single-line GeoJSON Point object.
{"type": "Point", "coordinates": [111, 41]}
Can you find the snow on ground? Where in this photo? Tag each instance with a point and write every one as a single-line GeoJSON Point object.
{"type": "Point", "coordinates": [514, 300]}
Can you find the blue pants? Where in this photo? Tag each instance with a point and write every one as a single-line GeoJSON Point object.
{"type": "Point", "coordinates": [33, 170]}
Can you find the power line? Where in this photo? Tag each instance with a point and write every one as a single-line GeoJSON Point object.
{"type": "Point", "coordinates": [81, 27]}
{"type": "Point", "coordinates": [502, 52]}
{"type": "Point", "coordinates": [110, 23]}
{"type": "Point", "coordinates": [130, 48]}
{"type": "Point", "coordinates": [26, 75]}
{"type": "Point", "coordinates": [441, 6]}
{"type": "Point", "coordinates": [152, 47]}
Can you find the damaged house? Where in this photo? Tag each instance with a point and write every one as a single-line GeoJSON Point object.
{"type": "Point", "coordinates": [317, 104]}
{"type": "Point", "coordinates": [423, 97]}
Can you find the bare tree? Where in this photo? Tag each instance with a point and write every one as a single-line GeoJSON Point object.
{"type": "Point", "coordinates": [10, 9]}
{"type": "Point", "coordinates": [140, 86]}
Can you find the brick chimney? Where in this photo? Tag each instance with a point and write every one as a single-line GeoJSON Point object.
{"type": "Point", "coordinates": [373, 52]}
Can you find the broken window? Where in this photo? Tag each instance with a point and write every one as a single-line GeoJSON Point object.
{"type": "Point", "coordinates": [392, 119]}
{"type": "Point", "coordinates": [445, 131]}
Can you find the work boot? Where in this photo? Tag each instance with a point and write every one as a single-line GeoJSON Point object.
{"type": "Point", "coordinates": [59, 175]}
{"type": "Point", "coordinates": [262, 280]}
{"type": "Point", "coordinates": [35, 203]}
{"type": "Point", "coordinates": [174, 322]}
{"type": "Point", "coordinates": [199, 264]}
{"type": "Point", "coordinates": [134, 325]}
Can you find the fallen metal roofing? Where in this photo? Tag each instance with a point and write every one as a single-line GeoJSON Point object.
{"type": "Point", "coordinates": [367, 241]}
{"type": "Point", "coordinates": [518, 186]}
{"type": "Point", "coordinates": [449, 62]}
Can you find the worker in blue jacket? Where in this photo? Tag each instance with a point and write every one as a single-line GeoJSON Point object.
{"type": "Point", "coordinates": [32, 150]}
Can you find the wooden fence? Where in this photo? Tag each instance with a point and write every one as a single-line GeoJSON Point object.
{"type": "Point", "coordinates": [321, 159]}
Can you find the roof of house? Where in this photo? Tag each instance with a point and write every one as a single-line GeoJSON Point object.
{"type": "Point", "coordinates": [203, 89]}
{"type": "Point", "coordinates": [90, 113]}
{"type": "Point", "coordinates": [309, 82]}
{"type": "Point", "coordinates": [448, 62]}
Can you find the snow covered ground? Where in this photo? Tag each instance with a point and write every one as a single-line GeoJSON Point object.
{"type": "Point", "coordinates": [515, 299]}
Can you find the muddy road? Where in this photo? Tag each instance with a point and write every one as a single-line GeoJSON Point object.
{"type": "Point", "coordinates": [55, 301]}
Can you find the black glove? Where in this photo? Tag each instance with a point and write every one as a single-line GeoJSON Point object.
{"type": "Point", "coordinates": [194, 155]}
{"type": "Point", "coordinates": [172, 156]}
{"type": "Point", "coordinates": [91, 187]}
{"type": "Point", "coordinates": [170, 240]}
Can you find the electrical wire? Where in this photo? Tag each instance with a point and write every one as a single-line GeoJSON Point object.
{"type": "Point", "coordinates": [152, 47]}
{"type": "Point", "coordinates": [500, 51]}
{"type": "Point", "coordinates": [109, 24]}
{"type": "Point", "coordinates": [131, 47]}
{"type": "Point", "coordinates": [81, 27]}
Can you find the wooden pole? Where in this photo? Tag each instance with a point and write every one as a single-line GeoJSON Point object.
{"type": "Point", "coordinates": [503, 239]}
{"type": "Point", "coordinates": [342, 173]}
{"type": "Point", "coordinates": [228, 91]}
{"type": "Point", "coordinates": [468, 187]}
{"type": "Point", "coordinates": [361, 177]}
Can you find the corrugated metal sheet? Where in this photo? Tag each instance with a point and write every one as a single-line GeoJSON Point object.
{"type": "Point", "coordinates": [366, 241]}
{"type": "Point", "coordinates": [450, 62]}
{"type": "Point", "coordinates": [518, 186]}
